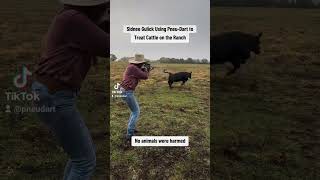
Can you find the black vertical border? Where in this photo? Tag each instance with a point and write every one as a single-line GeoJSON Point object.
{"type": "Point", "coordinates": [107, 116]}
{"type": "Point", "coordinates": [211, 96]}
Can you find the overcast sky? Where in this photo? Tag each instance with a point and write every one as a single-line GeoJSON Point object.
{"type": "Point", "coordinates": [161, 12]}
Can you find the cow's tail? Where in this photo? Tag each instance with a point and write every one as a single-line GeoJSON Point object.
{"type": "Point", "coordinates": [165, 71]}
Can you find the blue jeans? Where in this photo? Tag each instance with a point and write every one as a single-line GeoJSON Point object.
{"type": "Point", "coordinates": [133, 105]}
{"type": "Point", "coordinates": [69, 128]}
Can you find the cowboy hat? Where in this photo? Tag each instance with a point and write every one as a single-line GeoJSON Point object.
{"type": "Point", "coordinates": [84, 2]}
{"type": "Point", "coordinates": [137, 59]}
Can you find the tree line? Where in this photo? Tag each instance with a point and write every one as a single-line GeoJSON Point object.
{"type": "Point", "coordinates": [183, 61]}
{"type": "Point", "coordinates": [269, 3]}
{"type": "Point", "coordinates": [167, 60]}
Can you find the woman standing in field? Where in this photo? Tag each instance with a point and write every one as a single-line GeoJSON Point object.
{"type": "Point", "coordinates": [76, 36]}
{"type": "Point", "coordinates": [135, 72]}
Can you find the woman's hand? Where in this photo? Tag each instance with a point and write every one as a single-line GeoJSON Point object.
{"type": "Point", "coordinates": [144, 69]}
{"type": "Point", "coordinates": [104, 21]}
{"type": "Point", "coordinates": [104, 24]}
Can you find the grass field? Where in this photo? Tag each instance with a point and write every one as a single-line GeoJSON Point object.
{"type": "Point", "coordinates": [181, 111]}
{"type": "Point", "coordinates": [266, 116]}
{"type": "Point", "coordinates": [27, 149]}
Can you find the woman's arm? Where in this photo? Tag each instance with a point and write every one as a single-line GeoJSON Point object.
{"type": "Point", "coordinates": [138, 73]}
{"type": "Point", "coordinates": [88, 35]}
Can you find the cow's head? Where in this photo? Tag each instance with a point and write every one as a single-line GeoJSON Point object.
{"type": "Point", "coordinates": [256, 44]}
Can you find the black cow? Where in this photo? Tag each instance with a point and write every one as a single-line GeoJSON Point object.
{"type": "Point", "coordinates": [176, 77]}
{"type": "Point", "coordinates": [234, 47]}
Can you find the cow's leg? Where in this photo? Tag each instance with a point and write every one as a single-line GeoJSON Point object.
{"type": "Point", "coordinates": [170, 84]}
{"type": "Point", "coordinates": [236, 66]}
{"type": "Point", "coordinates": [183, 83]}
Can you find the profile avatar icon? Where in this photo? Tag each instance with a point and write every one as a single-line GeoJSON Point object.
{"type": "Point", "coordinates": [8, 109]}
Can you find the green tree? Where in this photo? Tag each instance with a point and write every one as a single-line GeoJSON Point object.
{"type": "Point", "coordinates": [113, 57]}
{"type": "Point", "coordinates": [204, 61]}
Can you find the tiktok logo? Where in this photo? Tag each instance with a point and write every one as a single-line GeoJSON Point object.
{"type": "Point", "coordinates": [21, 80]}
{"type": "Point", "coordinates": [116, 86]}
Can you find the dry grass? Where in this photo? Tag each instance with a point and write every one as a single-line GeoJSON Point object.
{"type": "Point", "coordinates": [182, 111]}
